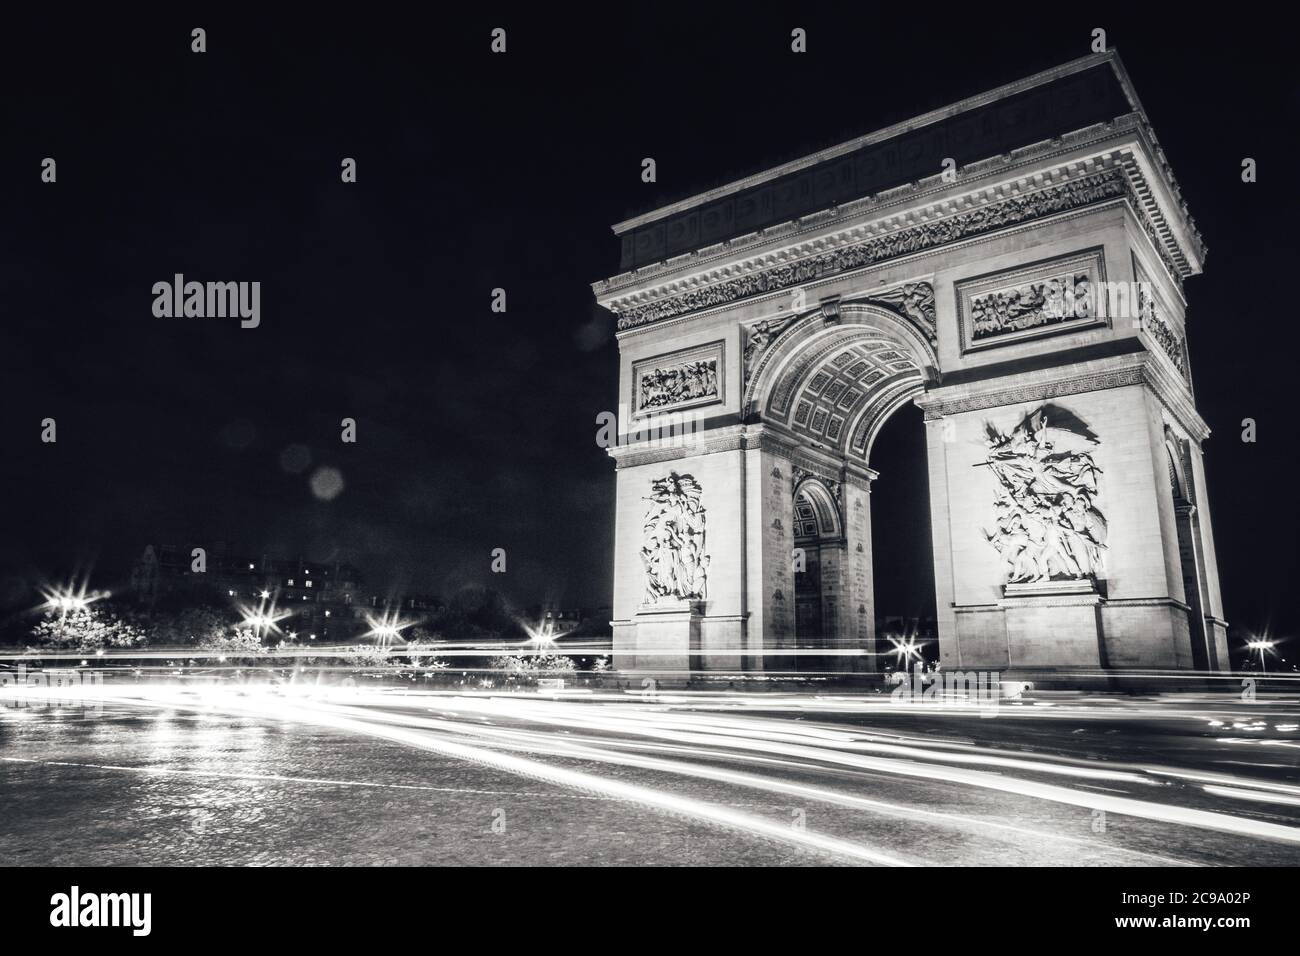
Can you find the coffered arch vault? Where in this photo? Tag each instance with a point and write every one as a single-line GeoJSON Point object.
{"type": "Point", "coordinates": [833, 376]}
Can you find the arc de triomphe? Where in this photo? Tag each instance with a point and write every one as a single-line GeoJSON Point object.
{"type": "Point", "coordinates": [1014, 265]}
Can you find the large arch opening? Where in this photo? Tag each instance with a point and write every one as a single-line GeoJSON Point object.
{"type": "Point", "coordinates": [830, 381]}
{"type": "Point", "coordinates": [901, 543]}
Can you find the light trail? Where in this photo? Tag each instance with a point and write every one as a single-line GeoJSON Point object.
{"type": "Point", "coordinates": [281, 778]}
{"type": "Point", "coordinates": [1255, 795]}
{"type": "Point", "coordinates": [674, 734]}
{"type": "Point", "coordinates": [1027, 788]}
{"type": "Point", "coordinates": [581, 749]}
{"type": "Point", "coordinates": [697, 810]}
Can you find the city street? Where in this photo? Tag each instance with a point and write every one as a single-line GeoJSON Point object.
{"type": "Point", "coordinates": [164, 773]}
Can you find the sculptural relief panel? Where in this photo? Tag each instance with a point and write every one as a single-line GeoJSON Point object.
{"type": "Point", "coordinates": [672, 541]}
{"type": "Point", "coordinates": [1045, 298]}
{"type": "Point", "coordinates": [1152, 315]}
{"type": "Point", "coordinates": [1047, 525]}
{"type": "Point", "coordinates": [685, 379]}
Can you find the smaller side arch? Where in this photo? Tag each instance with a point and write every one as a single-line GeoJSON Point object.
{"type": "Point", "coordinates": [825, 521]}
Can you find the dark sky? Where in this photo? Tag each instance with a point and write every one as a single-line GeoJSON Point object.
{"type": "Point", "coordinates": [476, 430]}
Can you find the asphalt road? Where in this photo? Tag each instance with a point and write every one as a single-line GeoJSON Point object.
{"type": "Point", "coordinates": [161, 773]}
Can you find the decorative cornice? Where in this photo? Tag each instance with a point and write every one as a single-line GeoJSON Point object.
{"type": "Point", "coordinates": [764, 436]}
{"type": "Point", "coordinates": [1029, 163]}
{"type": "Point", "coordinates": [728, 438]}
{"type": "Point", "coordinates": [978, 214]}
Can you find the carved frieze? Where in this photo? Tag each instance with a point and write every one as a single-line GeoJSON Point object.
{"type": "Point", "coordinates": [1047, 526]}
{"type": "Point", "coordinates": [1073, 194]}
{"type": "Point", "coordinates": [1043, 298]}
{"type": "Point", "coordinates": [1151, 315]}
{"type": "Point", "coordinates": [672, 541]}
{"type": "Point", "coordinates": [678, 380]}
{"type": "Point", "coordinates": [1034, 304]}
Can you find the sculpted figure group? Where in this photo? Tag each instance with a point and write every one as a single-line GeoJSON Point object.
{"type": "Point", "coordinates": [678, 383]}
{"type": "Point", "coordinates": [1033, 304]}
{"type": "Point", "coordinates": [1047, 524]}
{"type": "Point", "coordinates": [672, 542]}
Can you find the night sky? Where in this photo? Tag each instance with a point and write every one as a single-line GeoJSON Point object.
{"type": "Point", "coordinates": [477, 430]}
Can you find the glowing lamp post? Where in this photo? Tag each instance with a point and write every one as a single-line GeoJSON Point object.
{"type": "Point", "coordinates": [907, 650]}
{"type": "Point", "coordinates": [385, 629]}
{"type": "Point", "coordinates": [1262, 647]}
{"type": "Point", "coordinates": [68, 600]}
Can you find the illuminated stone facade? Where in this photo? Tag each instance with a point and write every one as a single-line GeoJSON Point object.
{"type": "Point", "coordinates": [1031, 303]}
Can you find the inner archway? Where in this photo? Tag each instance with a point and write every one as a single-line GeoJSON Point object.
{"type": "Point", "coordinates": [819, 543]}
{"type": "Point", "coordinates": [902, 546]}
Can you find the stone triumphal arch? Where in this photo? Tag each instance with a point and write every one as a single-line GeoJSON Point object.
{"type": "Point", "coordinates": [1013, 264]}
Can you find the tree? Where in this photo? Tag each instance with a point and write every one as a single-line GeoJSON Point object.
{"type": "Point", "coordinates": [419, 655]}
{"type": "Point", "coordinates": [240, 641]}
{"type": "Point", "coordinates": [87, 629]}
{"type": "Point", "coordinates": [193, 626]}
{"type": "Point", "coordinates": [368, 655]}
{"type": "Point", "coordinates": [533, 665]}
{"type": "Point", "coordinates": [474, 612]}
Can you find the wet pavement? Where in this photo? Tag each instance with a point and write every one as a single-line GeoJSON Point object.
{"type": "Point", "coordinates": [166, 776]}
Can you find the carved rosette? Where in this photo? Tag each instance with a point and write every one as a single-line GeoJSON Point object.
{"type": "Point", "coordinates": [672, 541]}
{"type": "Point", "coordinates": [1047, 526]}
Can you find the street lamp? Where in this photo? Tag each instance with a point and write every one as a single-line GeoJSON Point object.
{"type": "Point", "coordinates": [905, 650]}
{"type": "Point", "coordinates": [69, 599]}
{"type": "Point", "coordinates": [1261, 646]}
{"type": "Point", "coordinates": [385, 629]}
{"type": "Point", "coordinates": [259, 621]}
{"type": "Point", "coordinates": [262, 619]}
